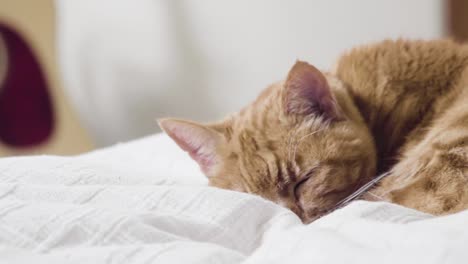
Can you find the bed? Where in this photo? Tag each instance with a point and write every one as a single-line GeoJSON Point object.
{"type": "Point", "coordinates": [146, 202]}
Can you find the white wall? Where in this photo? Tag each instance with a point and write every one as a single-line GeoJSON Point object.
{"type": "Point", "coordinates": [126, 63]}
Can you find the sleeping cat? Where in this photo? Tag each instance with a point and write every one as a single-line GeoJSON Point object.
{"type": "Point", "coordinates": [312, 140]}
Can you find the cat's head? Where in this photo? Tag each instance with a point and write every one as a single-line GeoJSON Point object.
{"type": "Point", "coordinates": [302, 144]}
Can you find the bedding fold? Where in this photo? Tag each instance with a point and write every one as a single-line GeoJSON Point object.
{"type": "Point", "coordinates": [146, 202]}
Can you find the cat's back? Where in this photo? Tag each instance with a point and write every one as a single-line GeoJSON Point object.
{"type": "Point", "coordinates": [414, 96]}
{"type": "Point", "coordinates": [432, 172]}
{"type": "Point", "coordinates": [386, 71]}
{"type": "Point", "coordinates": [402, 60]}
{"type": "Point", "coordinates": [401, 87]}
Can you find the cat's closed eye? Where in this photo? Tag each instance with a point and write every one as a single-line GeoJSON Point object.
{"type": "Point", "coordinates": [301, 183]}
{"type": "Point", "coordinates": [280, 140]}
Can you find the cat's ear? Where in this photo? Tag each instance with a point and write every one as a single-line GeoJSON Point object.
{"type": "Point", "coordinates": [199, 141]}
{"type": "Point", "coordinates": [306, 92]}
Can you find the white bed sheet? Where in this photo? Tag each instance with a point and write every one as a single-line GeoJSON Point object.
{"type": "Point", "coordinates": [146, 202]}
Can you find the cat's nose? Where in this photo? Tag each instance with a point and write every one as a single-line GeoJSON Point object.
{"type": "Point", "coordinates": [295, 208]}
{"type": "Point", "coordinates": [309, 216]}
{"type": "Point", "coordinates": [298, 211]}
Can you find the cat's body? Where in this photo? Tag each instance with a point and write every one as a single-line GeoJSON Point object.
{"type": "Point", "coordinates": [310, 141]}
{"type": "Point", "coordinates": [415, 101]}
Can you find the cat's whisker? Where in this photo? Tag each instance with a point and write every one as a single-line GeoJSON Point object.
{"type": "Point", "coordinates": [359, 192]}
{"type": "Point", "coordinates": [404, 181]}
{"type": "Point", "coordinates": [367, 122]}
{"type": "Point", "coordinates": [376, 196]}
{"type": "Point", "coordinates": [291, 136]}
{"type": "Point", "coordinates": [302, 138]}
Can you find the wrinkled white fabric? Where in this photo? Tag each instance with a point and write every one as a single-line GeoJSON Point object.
{"type": "Point", "coordinates": [146, 202]}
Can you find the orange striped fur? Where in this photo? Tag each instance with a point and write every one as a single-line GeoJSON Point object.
{"type": "Point", "coordinates": [310, 141]}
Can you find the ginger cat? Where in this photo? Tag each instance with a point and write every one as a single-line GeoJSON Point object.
{"type": "Point", "coordinates": [310, 141]}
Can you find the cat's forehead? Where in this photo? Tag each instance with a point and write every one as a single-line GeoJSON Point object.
{"type": "Point", "coordinates": [273, 132]}
{"type": "Point", "coordinates": [265, 124]}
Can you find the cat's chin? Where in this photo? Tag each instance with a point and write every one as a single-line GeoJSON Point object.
{"type": "Point", "coordinates": [315, 215]}
{"type": "Point", "coordinates": [308, 215]}
{"type": "Point", "coordinates": [308, 221]}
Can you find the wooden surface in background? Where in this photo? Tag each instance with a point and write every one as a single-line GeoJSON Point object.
{"type": "Point", "coordinates": [458, 19]}
{"type": "Point", "coordinates": [35, 22]}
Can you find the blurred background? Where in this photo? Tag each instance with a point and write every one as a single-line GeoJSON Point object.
{"type": "Point", "coordinates": [78, 75]}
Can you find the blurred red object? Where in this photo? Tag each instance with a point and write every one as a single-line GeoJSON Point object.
{"type": "Point", "coordinates": [26, 111]}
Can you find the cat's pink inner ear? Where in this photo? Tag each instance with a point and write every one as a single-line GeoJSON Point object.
{"type": "Point", "coordinates": [199, 141]}
{"type": "Point", "coordinates": [308, 93]}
